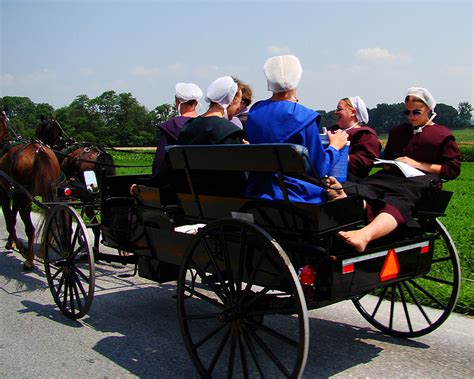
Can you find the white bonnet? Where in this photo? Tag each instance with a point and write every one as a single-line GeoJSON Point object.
{"type": "Point", "coordinates": [283, 73]}
{"type": "Point", "coordinates": [424, 95]}
{"type": "Point", "coordinates": [361, 110]}
{"type": "Point", "coordinates": [222, 91]}
{"type": "Point", "coordinates": [188, 91]}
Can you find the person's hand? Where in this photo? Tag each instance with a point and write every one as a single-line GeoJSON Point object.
{"type": "Point", "coordinates": [408, 161]}
{"type": "Point", "coordinates": [338, 139]}
{"type": "Point", "coordinates": [245, 142]}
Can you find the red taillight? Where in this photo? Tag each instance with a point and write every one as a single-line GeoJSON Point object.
{"type": "Point", "coordinates": [307, 275]}
{"type": "Point", "coordinates": [67, 191]}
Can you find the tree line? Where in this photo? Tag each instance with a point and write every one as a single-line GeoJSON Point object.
{"type": "Point", "coordinates": [118, 119]}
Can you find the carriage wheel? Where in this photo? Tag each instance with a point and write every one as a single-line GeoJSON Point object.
{"type": "Point", "coordinates": [417, 306]}
{"type": "Point", "coordinates": [68, 261]}
{"type": "Point", "coordinates": [240, 305]}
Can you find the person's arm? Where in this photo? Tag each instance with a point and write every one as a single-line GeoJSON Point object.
{"type": "Point", "coordinates": [365, 147]}
{"type": "Point", "coordinates": [449, 169]}
{"type": "Point", "coordinates": [322, 159]}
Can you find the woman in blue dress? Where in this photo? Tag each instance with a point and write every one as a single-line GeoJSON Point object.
{"type": "Point", "coordinates": [281, 119]}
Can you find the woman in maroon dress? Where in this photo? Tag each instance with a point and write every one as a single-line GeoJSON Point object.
{"type": "Point", "coordinates": [390, 197]}
{"type": "Point", "coordinates": [352, 116]}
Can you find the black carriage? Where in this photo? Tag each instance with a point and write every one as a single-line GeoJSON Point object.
{"type": "Point", "coordinates": [248, 270]}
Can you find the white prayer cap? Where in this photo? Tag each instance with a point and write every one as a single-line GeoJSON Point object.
{"type": "Point", "coordinates": [361, 110]}
{"type": "Point", "coordinates": [188, 91]}
{"type": "Point", "coordinates": [283, 73]}
{"type": "Point", "coordinates": [424, 95]}
{"type": "Point", "coordinates": [222, 91]}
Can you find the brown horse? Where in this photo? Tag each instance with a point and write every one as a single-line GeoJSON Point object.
{"type": "Point", "coordinates": [35, 167]}
{"type": "Point", "coordinates": [75, 158]}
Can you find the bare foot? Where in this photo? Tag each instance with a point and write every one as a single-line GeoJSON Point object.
{"type": "Point", "coordinates": [355, 238]}
{"type": "Point", "coordinates": [334, 190]}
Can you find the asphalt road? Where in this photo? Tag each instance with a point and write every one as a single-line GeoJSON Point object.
{"type": "Point", "coordinates": [132, 331]}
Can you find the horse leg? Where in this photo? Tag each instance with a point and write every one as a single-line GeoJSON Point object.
{"type": "Point", "coordinates": [9, 214]}
{"type": "Point", "coordinates": [24, 207]}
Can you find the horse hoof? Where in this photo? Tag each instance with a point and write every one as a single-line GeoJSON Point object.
{"type": "Point", "coordinates": [28, 266]}
{"type": "Point", "coordinates": [10, 245]}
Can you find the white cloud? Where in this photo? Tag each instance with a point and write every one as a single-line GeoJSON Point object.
{"type": "Point", "coordinates": [177, 68]}
{"type": "Point", "coordinates": [145, 72]}
{"type": "Point", "coordinates": [275, 49]}
{"type": "Point", "coordinates": [375, 54]}
{"type": "Point", "coordinates": [381, 55]}
{"type": "Point", "coordinates": [40, 77]}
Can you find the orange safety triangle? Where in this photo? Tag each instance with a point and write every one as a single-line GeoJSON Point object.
{"type": "Point", "coordinates": [391, 267]}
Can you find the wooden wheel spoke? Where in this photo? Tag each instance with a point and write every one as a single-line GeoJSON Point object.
{"type": "Point", "coordinates": [204, 297]}
{"type": "Point", "coordinates": [272, 332]}
{"type": "Point", "coordinates": [382, 296]}
{"type": "Point", "coordinates": [437, 280]}
{"type": "Point", "coordinates": [439, 260]}
{"type": "Point", "coordinates": [269, 353]}
{"type": "Point", "coordinates": [243, 356]}
{"type": "Point", "coordinates": [263, 291]}
{"type": "Point", "coordinates": [60, 286]}
{"type": "Point", "coordinates": [53, 247]}
{"type": "Point", "coordinates": [218, 273]}
{"type": "Point", "coordinates": [209, 335]}
{"type": "Point", "coordinates": [432, 297]}
{"type": "Point", "coordinates": [228, 265]}
{"type": "Point", "coordinates": [78, 271]}
{"type": "Point", "coordinates": [233, 343]}
{"type": "Point", "coordinates": [219, 350]}
{"type": "Point", "coordinates": [58, 271]}
{"type": "Point", "coordinates": [242, 258]}
{"type": "Point", "coordinates": [206, 280]}
{"type": "Point", "coordinates": [253, 353]}
{"type": "Point", "coordinates": [254, 273]}
{"type": "Point", "coordinates": [417, 303]}
{"type": "Point", "coordinates": [405, 308]}
{"type": "Point", "coordinates": [79, 284]}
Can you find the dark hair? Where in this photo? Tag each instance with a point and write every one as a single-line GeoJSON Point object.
{"type": "Point", "coordinates": [246, 91]}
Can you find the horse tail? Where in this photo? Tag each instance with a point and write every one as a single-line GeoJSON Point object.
{"type": "Point", "coordinates": [46, 173]}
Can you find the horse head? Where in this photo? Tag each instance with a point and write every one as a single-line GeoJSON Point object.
{"type": "Point", "coordinates": [4, 136]}
{"type": "Point", "coordinates": [49, 131]}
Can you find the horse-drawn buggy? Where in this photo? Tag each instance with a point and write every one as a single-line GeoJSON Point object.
{"type": "Point", "coordinates": [248, 271]}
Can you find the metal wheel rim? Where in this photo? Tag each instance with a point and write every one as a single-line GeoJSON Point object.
{"type": "Point", "coordinates": [397, 296]}
{"type": "Point", "coordinates": [245, 330]}
{"type": "Point", "coordinates": [69, 262]}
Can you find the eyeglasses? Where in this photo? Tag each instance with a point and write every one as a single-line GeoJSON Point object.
{"type": "Point", "coordinates": [415, 112]}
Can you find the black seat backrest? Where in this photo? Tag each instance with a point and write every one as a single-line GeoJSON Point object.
{"type": "Point", "coordinates": [291, 159]}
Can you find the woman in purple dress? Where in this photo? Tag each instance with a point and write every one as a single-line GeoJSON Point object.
{"type": "Point", "coordinates": [390, 197]}
{"type": "Point", "coordinates": [187, 96]}
{"type": "Point", "coordinates": [352, 117]}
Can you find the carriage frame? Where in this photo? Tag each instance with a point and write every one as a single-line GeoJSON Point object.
{"type": "Point", "coordinates": [247, 270]}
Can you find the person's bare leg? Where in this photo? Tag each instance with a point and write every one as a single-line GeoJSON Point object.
{"type": "Point", "coordinates": [381, 225]}
{"type": "Point", "coordinates": [334, 190]}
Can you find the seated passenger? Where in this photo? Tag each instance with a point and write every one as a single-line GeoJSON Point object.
{"type": "Point", "coordinates": [280, 119]}
{"type": "Point", "coordinates": [390, 197]}
{"type": "Point", "coordinates": [352, 117]}
{"type": "Point", "coordinates": [214, 127]}
{"type": "Point", "coordinates": [186, 100]}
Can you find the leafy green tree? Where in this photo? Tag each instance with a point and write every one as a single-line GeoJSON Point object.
{"type": "Point", "coordinates": [464, 115]}
{"type": "Point", "coordinates": [161, 114]}
{"type": "Point", "coordinates": [384, 117]}
{"type": "Point", "coordinates": [446, 115]}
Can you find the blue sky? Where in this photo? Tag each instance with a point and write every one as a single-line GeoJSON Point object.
{"type": "Point", "coordinates": [53, 51]}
